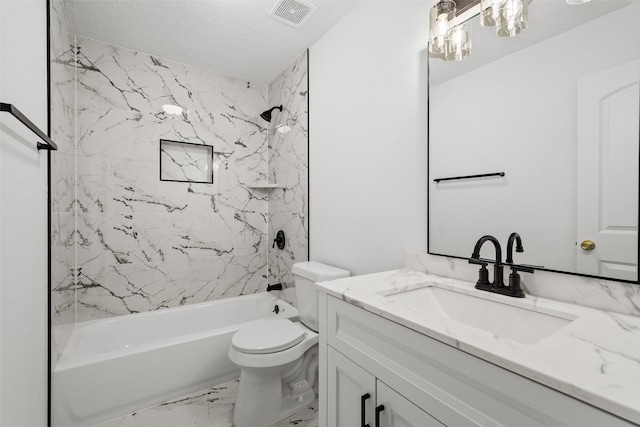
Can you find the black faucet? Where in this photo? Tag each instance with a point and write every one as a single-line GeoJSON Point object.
{"type": "Point", "coordinates": [514, 277]}
{"type": "Point", "coordinates": [483, 276]}
{"type": "Point", "coordinates": [513, 289]}
{"type": "Point", "coordinates": [519, 248]}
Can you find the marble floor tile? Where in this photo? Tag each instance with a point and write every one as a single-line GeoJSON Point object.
{"type": "Point", "coordinates": [209, 408]}
{"type": "Point", "coordinates": [306, 418]}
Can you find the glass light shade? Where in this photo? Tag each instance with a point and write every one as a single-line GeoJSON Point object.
{"type": "Point", "coordinates": [458, 44]}
{"type": "Point", "coordinates": [489, 12]}
{"type": "Point", "coordinates": [577, 2]}
{"type": "Point", "coordinates": [512, 18]}
{"type": "Point", "coordinates": [440, 17]}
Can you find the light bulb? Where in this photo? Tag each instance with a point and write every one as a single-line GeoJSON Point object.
{"type": "Point", "coordinates": [512, 18]}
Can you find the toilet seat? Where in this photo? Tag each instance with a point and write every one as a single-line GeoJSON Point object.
{"type": "Point", "coordinates": [267, 336]}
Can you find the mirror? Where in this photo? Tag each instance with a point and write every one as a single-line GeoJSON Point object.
{"type": "Point", "coordinates": [555, 110]}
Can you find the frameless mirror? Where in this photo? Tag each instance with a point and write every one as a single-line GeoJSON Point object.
{"type": "Point", "coordinates": [554, 114]}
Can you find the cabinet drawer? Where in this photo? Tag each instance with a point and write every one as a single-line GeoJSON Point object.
{"type": "Point", "coordinates": [454, 387]}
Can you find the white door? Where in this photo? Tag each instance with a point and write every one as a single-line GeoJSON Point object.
{"type": "Point", "coordinates": [607, 204]}
{"type": "Point", "coordinates": [348, 386]}
{"type": "Point", "coordinates": [400, 412]}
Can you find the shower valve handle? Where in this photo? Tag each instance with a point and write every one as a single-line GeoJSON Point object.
{"type": "Point", "coordinates": [279, 240]}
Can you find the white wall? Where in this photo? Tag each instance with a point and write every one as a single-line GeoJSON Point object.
{"type": "Point", "coordinates": [368, 137]}
{"type": "Point", "coordinates": [23, 216]}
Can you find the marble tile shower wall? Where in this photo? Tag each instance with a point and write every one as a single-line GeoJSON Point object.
{"type": "Point", "coordinates": [289, 169]}
{"type": "Point", "coordinates": [141, 243]}
{"type": "Point", "coordinates": [62, 68]}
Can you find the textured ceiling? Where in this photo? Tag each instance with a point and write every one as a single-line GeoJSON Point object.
{"type": "Point", "coordinates": [234, 38]}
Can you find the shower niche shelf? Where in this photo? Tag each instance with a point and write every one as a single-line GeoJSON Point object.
{"type": "Point", "coordinates": [263, 185]}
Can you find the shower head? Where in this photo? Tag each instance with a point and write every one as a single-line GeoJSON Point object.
{"type": "Point", "coordinates": [267, 114]}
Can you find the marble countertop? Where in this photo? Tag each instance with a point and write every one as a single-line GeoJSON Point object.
{"type": "Point", "coordinates": [594, 358]}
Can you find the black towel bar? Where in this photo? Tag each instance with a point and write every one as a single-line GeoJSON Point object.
{"type": "Point", "coordinates": [49, 144]}
{"type": "Point", "coordinates": [469, 176]}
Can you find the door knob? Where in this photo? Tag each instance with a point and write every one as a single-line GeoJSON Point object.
{"type": "Point", "coordinates": [587, 245]}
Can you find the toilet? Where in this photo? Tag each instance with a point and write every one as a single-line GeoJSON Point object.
{"type": "Point", "coordinates": [278, 358]}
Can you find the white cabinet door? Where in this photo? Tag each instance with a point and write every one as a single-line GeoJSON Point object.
{"type": "Point", "coordinates": [347, 388]}
{"type": "Point", "coordinates": [398, 411]}
{"type": "Point", "coordinates": [357, 399]}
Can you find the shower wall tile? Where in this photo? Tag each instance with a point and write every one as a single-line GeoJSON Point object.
{"type": "Point", "coordinates": [63, 288]}
{"type": "Point", "coordinates": [62, 68]}
{"type": "Point", "coordinates": [142, 243]}
{"type": "Point", "coordinates": [289, 167]}
{"type": "Point", "coordinates": [123, 241]}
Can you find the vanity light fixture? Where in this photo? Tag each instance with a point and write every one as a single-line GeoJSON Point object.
{"type": "Point", "coordinates": [489, 12]}
{"type": "Point", "coordinates": [449, 32]}
{"type": "Point", "coordinates": [577, 2]}
{"type": "Point", "coordinates": [512, 18]}
{"type": "Point", "coordinates": [458, 44]}
{"type": "Point", "coordinates": [508, 16]}
{"type": "Point", "coordinates": [441, 17]}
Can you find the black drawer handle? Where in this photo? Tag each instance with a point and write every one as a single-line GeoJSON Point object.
{"type": "Point", "coordinates": [363, 399]}
{"type": "Point", "coordinates": [378, 410]}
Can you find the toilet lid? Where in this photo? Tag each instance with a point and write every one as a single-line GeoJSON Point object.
{"type": "Point", "coordinates": [267, 336]}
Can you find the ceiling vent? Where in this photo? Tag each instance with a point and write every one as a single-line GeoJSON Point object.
{"type": "Point", "coordinates": [292, 12]}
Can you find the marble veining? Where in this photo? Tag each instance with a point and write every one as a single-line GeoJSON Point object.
{"type": "Point", "coordinates": [289, 169]}
{"type": "Point", "coordinates": [127, 242]}
{"type": "Point", "coordinates": [594, 358]}
{"type": "Point", "coordinates": [210, 408]}
{"type": "Point", "coordinates": [63, 236]}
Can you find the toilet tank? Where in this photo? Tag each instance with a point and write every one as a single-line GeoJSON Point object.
{"type": "Point", "coordinates": [305, 274]}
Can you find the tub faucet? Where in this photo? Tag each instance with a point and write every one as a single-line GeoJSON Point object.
{"type": "Point", "coordinates": [483, 276]}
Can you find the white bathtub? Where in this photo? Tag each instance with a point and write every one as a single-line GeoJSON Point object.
{"type": "Point", "coordinates": [117, 366]}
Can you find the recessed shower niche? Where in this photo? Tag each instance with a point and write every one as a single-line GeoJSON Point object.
{"type": "Point", "coordinates": [186, 162]}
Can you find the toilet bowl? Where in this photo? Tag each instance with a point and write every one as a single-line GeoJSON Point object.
{"type": "Point", "coordinates": [276, 379]}
{"type": "Point", "coordinates": [278, 358]}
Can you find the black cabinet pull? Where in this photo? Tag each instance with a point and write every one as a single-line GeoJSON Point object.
{"type": "Point", "coordinates": [363, 399]}
{"type": "Point", "coordinates": [378, 410]}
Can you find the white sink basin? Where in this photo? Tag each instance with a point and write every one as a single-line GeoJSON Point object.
{"type": "Point", "coordinates": [496, 314]}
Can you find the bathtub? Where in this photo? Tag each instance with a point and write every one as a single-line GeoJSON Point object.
{"type": "Point", "coordinates": [116, 366]}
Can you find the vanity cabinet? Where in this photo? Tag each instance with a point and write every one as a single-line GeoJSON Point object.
{"type": "Point", "coordinates": [357, 398]}
{"type": "Point", "coordinates": [421, 381]}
